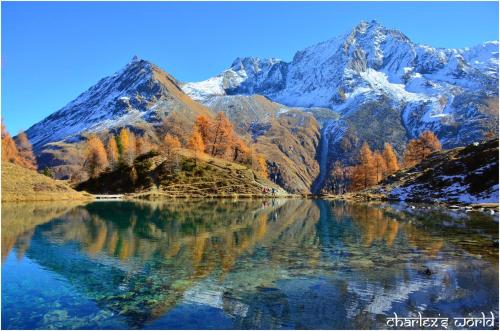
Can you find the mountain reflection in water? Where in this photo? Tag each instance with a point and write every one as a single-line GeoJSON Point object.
{"type": "Point", "coordinates": [242, 264]}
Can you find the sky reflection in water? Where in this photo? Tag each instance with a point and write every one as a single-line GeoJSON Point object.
{"type": "Point", "coordinates": [242, 264]}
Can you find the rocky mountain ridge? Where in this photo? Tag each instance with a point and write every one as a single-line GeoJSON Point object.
{"type": "Point", "coordinates": [370, 84]}
{"type": "Point", "coordinates": [382, 86]}
{"type": "Point", "coordinates": [141, 96]}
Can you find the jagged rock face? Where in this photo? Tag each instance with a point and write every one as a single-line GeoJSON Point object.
{"type": "Point", "coordinates": [288, 138]}
{"type": "Point", "coordinates": [245, 76]}
{"type": "Point", "coordinates": [369, 60]}
{"type": "Point", "coordinates": [139, 95]}
{"type": "Point", "coordinates": [384, 87]}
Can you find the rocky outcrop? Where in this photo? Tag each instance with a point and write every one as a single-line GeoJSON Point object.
{"type": "Point", "coordinates": [459, 175]}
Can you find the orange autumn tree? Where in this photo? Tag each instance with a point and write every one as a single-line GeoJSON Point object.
{"type": "Point", "coordinates": [19, 152]}
{"type": "Point", "coordinates": [126, 146]}
{"type": "Point", "coordinates": [96, 157]}
{"type": "Point", "coordinates": [380, 166]}
{"type": "Point", "coordinates": [113, 154]}
{"type": "Point", "coordinates": [240, 150]}
{"type": "Point", "coordinates": [9, 149]}
{"type": "Point", "coordinates": [132, 151]}
{"type": "Point", "coordinates": [220, 140]}
{"type": "Point", "coordinates": [196, 143]}
{"type": "Point", "coordinates": [364, 174]}
{"type": "Point", "coordinates": [170, 145]}
{"type": "Point", "coordinates": [203, 124]}
{"type": "Point", "coordinates": [262, 166]}
{"type": "Point", "coordinates": [391, 159]}
{"type": "Point", "coordinates": [419, 149]}
{"type": "Point", "coordinates": [222, 131]}
{"type": "Point", "coordinates": [25, 151]}
{"type": "Point", "coordinates": [257, 162]}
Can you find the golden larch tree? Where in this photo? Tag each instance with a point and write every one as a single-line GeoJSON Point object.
{"type": "Point", "coordinates": [419, 149]}
{"type": "Point", "coordinates": [126, 146]}
{"type": "Point", "coordinates": [364, 174]}
{"type": "Point", "coordinates": [96, 159]}
{"type": "Point", "coordinates": [170, 145]}
{"type": "Point", "coordinates": [132, 151]}
{"type": "Point", "coordinates": [430, 142]}
{"type": "Point", "coordinates": [27, 158]}
{"type": "Point", "coordinates": [391, 160]}
{"type": "Point", "coordinates": [262, 166]}
{"type": "Point", "coordinates": [196, 143]}
{"type": "Point", "coordinates": [123, 141]}
{"type": "Point", "coordinates": [240, 150]}
{"type": "Point", "coordinates": [113, 155]}
{"type": "Point", "coordinates": [222, 130]}
{"type": "Point", "coordinates": [411, 154]}
{"type": "Point", "coordinates": [380, 166]}
{"type": "Point", "coordinates": [203, 124]}
{"type": "Point", "coordinates": [9, 149]}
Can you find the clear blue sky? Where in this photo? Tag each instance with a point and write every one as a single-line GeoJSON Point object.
{"type": "Point", "coordinates": [53, 51]}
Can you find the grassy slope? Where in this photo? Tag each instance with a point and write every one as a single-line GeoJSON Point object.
{"type": "Point", "coordinates": [21, 184]}
{"type": "Point", "coordinates": [210, 177]}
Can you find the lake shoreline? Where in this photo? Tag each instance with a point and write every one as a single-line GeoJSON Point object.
{"type": "Point", "coordinates": [163, 195]}
{"type": "Point", "coordinates": [367, 197]}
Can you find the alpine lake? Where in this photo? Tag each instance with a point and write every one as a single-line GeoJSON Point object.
{"type": "Point", "coordinates": [243, 264]}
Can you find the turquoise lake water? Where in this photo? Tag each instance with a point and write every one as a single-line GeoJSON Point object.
{"type": "Point", "coordinates": [270, 264]}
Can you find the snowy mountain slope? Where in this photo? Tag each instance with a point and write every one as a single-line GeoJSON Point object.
{"type": "Point", "coordinates": [372, 61]}
{"type": "Point", "coordinates": [245, 74]}
{"type": "Point", "coordinates": [139, 94]}
{"type": "Point", "coordinates": [329, 73]}
{"type": "Point", "coordinates": [385, 88]}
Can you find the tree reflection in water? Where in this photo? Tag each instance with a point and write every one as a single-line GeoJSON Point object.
{"type": "Point", "coordinates": [251, 264]}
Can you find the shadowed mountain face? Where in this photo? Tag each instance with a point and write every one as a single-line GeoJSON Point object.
{"type": "Point", "coordinates": [247, 264]}
{"type": "Point", "coordinates": [287, 137]}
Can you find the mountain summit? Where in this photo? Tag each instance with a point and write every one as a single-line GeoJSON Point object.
{"type": "Point", "coordinates": [382, 86]}
{"type": "Point", "coordinates": [139, 93]}
{"type": "Point", "coordinates": [369, 56]}
{"type": "Point", "coordinates": [371, 84]}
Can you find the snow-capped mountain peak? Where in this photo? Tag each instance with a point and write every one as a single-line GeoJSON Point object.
{"type": "Point", "coordinates": [318, 72]}
{"type": "Point", "coordinates": [379, 85]}
{"type": "Point", "coordinates": [384, 87]}
{"type": "Point", "coordinates": [139, 92]}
